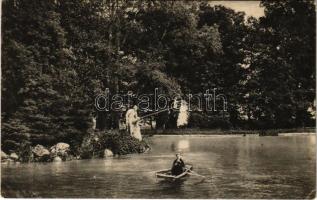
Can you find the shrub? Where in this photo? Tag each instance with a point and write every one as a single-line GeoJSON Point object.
{"type": "Point", "coordinates": [202, 120]}
{"type": "Point", "coordinates": [120, 143]}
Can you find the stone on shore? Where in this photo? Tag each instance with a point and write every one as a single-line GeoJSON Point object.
{"type": "Point", "coordinates": [14, 156]}
{"type": "Point", "coordinates": [62, 150]}
{"type": "Point", "coordinates": [108, 153]}
{"type": "Point", "coordinates": [62, 146]}
{"type": "Point", "coordinates": [40, 153]}
{"type": "Point", "coordinates": [57, 159]}
{"type": "Point", "coordinates": [4, 156]}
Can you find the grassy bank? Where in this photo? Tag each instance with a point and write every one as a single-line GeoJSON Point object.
{"type": "Point", "coordinates": [226, 132]}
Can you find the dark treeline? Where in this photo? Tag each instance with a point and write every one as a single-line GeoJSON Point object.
{"type": "Point", "coordinates": [58, 55]}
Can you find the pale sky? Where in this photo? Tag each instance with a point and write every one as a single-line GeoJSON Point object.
{"type": "Point", "coordinates": [251, 8]}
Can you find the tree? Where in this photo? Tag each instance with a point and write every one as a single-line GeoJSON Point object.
{"type": "Point", "coordinates": [228, 72]}
{"type": "Point", "coordinates": [46, 108]}
{"type": "Point", "coordinates": [282, 64]}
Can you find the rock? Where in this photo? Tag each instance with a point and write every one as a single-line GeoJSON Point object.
{"type": "Point", "coordinates": [108, 153]}
{"type": "Point", "coordinates": [3, 156]}
{"type": "Point", "coordinates": [62, 146]}
{"type": "Point", "coordinates": [14, 156]}
{"type": "Point", "coordinates": [61, 150]}
{"type": "Point", "coordinates": [57, 159]}
{"type": "Point", "coordinates": [40, 153]}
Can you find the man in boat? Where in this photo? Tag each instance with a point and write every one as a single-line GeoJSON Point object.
{"type": "Point", "coordinates": [178, 165]}
{"type": "Point", "coordinates": [132, 123]}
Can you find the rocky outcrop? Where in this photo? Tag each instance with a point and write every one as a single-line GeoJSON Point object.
{"type": "Point", "coordinates": [95, 145]}
{"type": "Point", "coordinates": [61, 150]}
{"type": "Point", "coordinates": [40, 153]}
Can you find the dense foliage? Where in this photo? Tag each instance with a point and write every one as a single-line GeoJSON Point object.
{"type": "Point", "coordinates": [119, 143]}
{"type": "Point", "coordinates": [57, 55]}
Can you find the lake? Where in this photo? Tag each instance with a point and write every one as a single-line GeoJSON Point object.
{"type": "Point", "coordinates": [234, 166]}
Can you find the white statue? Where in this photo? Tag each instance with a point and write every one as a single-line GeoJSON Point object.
{"type": "Point", "coordinates": [132, 122]}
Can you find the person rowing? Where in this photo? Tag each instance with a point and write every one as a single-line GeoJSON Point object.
{"type": "Point", "coordinates": [178, 170]}
{"type": "Point", "coordinates": [178, 166]}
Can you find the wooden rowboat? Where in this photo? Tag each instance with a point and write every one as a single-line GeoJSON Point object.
{"type": "Point", "coordinates": [167, 174]}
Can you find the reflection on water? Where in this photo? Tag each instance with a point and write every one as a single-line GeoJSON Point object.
{"type": "Point", "coordinates": [234, 166]}
{"type": "Point", "coordinates": [183, 145]}
{"type": "Point", "coordinates": [180, 146]}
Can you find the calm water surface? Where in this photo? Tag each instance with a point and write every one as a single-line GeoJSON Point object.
{"type": "Point", "coordinates": [235, 167]}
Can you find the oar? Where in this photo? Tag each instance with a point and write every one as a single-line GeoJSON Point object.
{"type": "Point", "coordinates": [191, 172]}
{"type": "Point", "coordinates": [195, 173]}
{"type": "Point", "coordinates": [204, 178]}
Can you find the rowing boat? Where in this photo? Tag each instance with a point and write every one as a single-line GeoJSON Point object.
{"type": "Point", "coordinates": [167, 174]}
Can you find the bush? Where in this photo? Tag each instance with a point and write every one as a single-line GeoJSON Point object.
{"type": "Point", "coordinates": [10, 145]}
{"type": "Point", "coordinates": [202, 120]}
{"type": "Point", "coordinates": [25, 152]}
{"type": "Point", "coordinates": [120, 143]}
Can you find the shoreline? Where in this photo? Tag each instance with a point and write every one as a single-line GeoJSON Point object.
{"type": "Point", "coordinates": [229, 135]}
{"type": "Point", "coordinates": [148, 132]}
{"type": "Point", "coordinates": [113, 143]}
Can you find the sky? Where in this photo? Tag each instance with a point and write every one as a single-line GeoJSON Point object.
{"type": "Point", "coordinates": [251, 8]}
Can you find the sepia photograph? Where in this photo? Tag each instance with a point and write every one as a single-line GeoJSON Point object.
{"type": "Point", "coordinates": [158, 99]}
